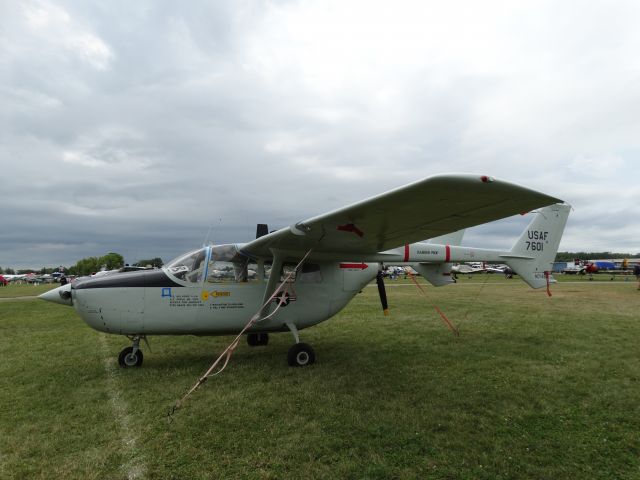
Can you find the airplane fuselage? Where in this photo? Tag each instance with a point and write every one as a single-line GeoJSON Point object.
{"type": "Point", "coordinates": [155, 303]}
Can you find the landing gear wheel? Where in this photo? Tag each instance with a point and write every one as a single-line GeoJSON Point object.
{"type": "Point", "coordinates": [128, 359]}
{"type": "Point", "coordinates": [300, 355]}
{"type": "Point", "coordinates": [257, 339]}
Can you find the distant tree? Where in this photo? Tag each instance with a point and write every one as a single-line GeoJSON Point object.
{"type": "Point", "coordinates": [570, 256]}
{"type": "Point", "coordinates": [87, 266]}
{"type": "Point", "coordinates": [112, 261]}
{"type": "Point", "coordinates": [154, 262]}
{"type": "Point", "coordinates": [10, 271]}
{"type": "Point", "coordinates": [1, 271]}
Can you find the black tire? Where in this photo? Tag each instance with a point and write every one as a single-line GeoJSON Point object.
{"type": "Point", "coordinates": [301, 355]}
{"type": "Point", "coordinates": [127, 359]}
{"type": "Point", "coordinates": [257, 339]}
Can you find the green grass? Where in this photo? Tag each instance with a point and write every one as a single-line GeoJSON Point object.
{"type": "Point", "coordinates": [534, 387]}
{"type": "Point", "coordinates": [23, 290]}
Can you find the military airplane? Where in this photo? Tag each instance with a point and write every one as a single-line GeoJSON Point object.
{"type": "Point", "coordinates": [303, 274]}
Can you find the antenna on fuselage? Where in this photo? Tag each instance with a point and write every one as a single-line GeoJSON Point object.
{"type": "Point", "coordinates": [262, 229]}
{"type": "Point", "coordinates": [206, 239]}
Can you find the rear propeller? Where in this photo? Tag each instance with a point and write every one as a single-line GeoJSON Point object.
{"type": "Point", "coordinates": [382, 292]}
{"type": "Point", "coordinates": [385, 306]}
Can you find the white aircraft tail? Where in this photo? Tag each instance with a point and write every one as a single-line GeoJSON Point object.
{"type": "Point", "coordinates": [534, 252]}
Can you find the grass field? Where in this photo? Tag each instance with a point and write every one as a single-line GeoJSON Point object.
{"type": "Point", "coordinates": [534, 387]}
{"type": "Point", "coordinates": [12, 290]}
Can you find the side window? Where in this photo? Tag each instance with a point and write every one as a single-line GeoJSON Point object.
{"type": "Point", "coordinates": [221, 272]}
{"type": "Point", "coordinates": [287, 268]}
{"type": "Point", "coordinates": [252, 272]}
{"type": "Point", "coordinates": [310, 273]}
{"type": "Point", "coordinates": [241, 270]}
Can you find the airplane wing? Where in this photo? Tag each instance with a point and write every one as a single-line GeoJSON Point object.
{"type": "Point", "coordinates": [429, 208]}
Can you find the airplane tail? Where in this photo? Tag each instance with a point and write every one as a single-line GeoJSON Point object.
{"type": "Point", "coordinates": [534, 252]}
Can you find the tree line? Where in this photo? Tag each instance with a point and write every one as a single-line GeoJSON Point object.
{"type": "Point", "coordinates": [89, 265]}
{"type": "Point", "coordinates": [570, 256]}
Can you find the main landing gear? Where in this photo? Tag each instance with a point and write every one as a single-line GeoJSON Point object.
{"type": "Point", "coordinates": [300, 354]}
{"type": "Point", "coordinates": [131, 356]}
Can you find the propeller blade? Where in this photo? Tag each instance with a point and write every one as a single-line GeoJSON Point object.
{"type": "Point", "coordinates": [382, 291]}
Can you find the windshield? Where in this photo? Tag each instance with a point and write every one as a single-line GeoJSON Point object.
{"type": "Point", "coordinates": [190, 266]}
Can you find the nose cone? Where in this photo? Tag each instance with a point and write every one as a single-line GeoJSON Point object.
{"type": "Point", "coordinates": [61, 295]}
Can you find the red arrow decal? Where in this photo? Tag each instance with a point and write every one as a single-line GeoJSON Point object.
{"type": "Point", "coordinates": [361, 266]}
{"type": "Point", "coordinates": [351, 228]}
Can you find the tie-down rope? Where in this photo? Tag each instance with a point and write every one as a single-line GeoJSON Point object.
{"type": "Point", "coordinates": [440, 312]}
{"type": "Point", "coordinates": [226, 354]}
{"type": "Point", "coordinates": [546, 276]}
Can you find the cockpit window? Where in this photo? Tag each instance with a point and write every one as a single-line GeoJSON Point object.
{"type": "Point", "coordinates": [219, 263]}
{"type": "Point", "coordinates": [189, 267]}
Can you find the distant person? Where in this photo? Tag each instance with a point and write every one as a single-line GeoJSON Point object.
{"type": "Point", "coordinates": [636, 272]}
{"type": "Point", "coordinates": [63, 280]}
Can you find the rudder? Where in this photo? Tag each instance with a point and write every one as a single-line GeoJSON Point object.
{"type": "Point", "coordinates": [534, 252]}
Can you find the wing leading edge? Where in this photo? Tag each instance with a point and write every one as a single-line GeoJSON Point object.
{"type": "Point", "coordinates": [428, 208]}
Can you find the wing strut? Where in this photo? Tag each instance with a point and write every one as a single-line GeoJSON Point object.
{"type": "Point", "coordinates": [274, 277]}
{"type": "Point", "coordinates": [256, 318]}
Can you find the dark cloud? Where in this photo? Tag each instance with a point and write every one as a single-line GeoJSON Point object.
{"type": "Point", "coordinates": [135, 127]}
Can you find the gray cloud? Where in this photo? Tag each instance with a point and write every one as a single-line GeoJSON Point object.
{"type": "Point", "coordinates": [135, 127]}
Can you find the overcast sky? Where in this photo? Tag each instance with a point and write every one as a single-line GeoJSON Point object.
{"type": "Point", "coordinates": [134, 127]}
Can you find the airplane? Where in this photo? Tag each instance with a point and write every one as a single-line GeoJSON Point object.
{"type": "Point", "coordinates": [598, 266]}
{"type": "Point", "coordinates": [13, 278]}
{"type": "Point", "coordinates": [468, 268]}
{"type": "Point", "coordinates": [309, 271]}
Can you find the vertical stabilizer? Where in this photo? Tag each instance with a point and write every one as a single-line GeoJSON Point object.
{"type": "Point", "coordinates": [534, 252]}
